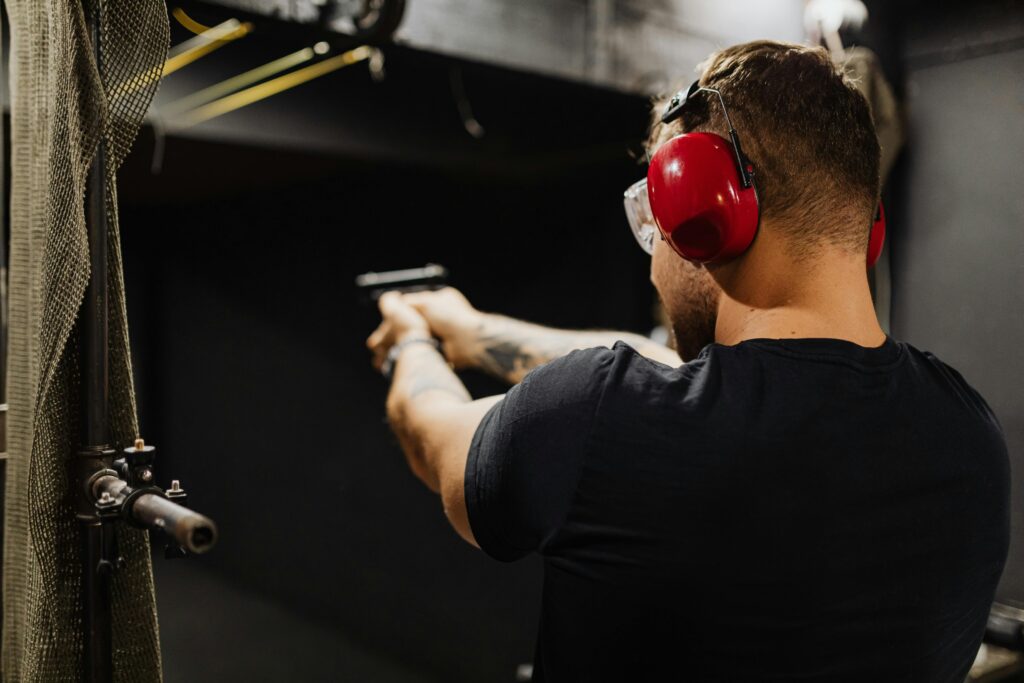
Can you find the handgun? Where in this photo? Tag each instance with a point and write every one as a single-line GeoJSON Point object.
{"type": "Point", "coordinates": [429, 277]}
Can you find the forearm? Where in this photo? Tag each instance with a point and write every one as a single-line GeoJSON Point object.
{"type": "Point", "coordinates": [435, 420]}
{"type": "Point", "coordinates": [508, 349]}
{"type": "Point", "coordinates": [422, 383]}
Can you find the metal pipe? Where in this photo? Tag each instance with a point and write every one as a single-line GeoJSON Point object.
{"type": "Point", "coordinates": [191, 530]}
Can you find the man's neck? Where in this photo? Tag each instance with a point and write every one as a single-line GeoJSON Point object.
{"type": "Point", "coordinates": [826, 298]}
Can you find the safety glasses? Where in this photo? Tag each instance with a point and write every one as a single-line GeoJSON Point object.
{"type": "Point", "coordinates": [640, 216]}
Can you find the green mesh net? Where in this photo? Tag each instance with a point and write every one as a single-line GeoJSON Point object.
{"type": "Point", "coordinates": [62, 106]}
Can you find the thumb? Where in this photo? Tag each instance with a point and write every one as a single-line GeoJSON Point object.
{"type": "Point", "coordinates": [389, 304]}
{"type": "Point", "coordinates": [421, 302]}
{"type": "Point", "coordinates": [394, 307]}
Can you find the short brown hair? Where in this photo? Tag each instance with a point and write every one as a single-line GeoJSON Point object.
{"type": "Point", "coordinates": [807, 131]}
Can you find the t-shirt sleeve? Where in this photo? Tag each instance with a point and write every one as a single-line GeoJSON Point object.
{"type": "Point", "coordinates": [526, 456]}
{"type": "Point", "coordinates": [965, 391]}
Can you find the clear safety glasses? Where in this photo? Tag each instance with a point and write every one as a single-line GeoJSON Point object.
{"type": "Point", "coordinates": [641, 218]}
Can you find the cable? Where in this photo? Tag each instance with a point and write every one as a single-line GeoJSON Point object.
{"type": "Point", "coordinates": [469, 121]}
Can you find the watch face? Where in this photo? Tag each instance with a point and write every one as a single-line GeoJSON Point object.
{"type": "Point", "coordinates": [638, 212]}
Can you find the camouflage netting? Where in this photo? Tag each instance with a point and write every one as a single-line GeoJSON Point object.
{"type": "Point", "coordinates": [62, 107]}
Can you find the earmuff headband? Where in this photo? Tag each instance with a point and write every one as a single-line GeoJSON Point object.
{"type": "Point", "coordinates": [675, 109]}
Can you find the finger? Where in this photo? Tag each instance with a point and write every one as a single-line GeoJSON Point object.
{"type": "Point", "coordinates": [417, 299]}
{"type": "Point", "coordinates": [380, 335]}
{"type": "Point", "coordinates": [450, 352]}
{"type": "Point", "coordinates": [421, 302]}
{"type": "Point", "coordinates": [375, 338]}
{"type": "Point", "coordinates": [453, 294]}
{"type": "Point", "coordinates": [398, 311]}
{"type": "Point", "coordinates": [378, 353]}
{"type": "Point", "coordinates": [388, 303]}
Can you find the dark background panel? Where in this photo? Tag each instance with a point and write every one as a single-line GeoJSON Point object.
{"type": "Point", "coordinates": [255, 385]}
{"type": "Point", "coordinates": [958, 243]}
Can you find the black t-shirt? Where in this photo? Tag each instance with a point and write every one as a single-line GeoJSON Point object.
{"type": "Point", "coordinates": [778, 510]}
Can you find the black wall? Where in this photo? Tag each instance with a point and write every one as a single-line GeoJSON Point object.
{"type": "Point", "coordinates": [256, 387]}
{"type": "Point", "coordinates": [958, 239]}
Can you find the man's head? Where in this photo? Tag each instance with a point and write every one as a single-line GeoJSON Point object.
{"type": "Point", "coordinates": [809, 135]}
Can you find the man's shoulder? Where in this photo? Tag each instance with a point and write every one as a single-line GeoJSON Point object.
{"type": "Point", "coordinates": [585, 375]}
{"type": "Point", "coordinates": [586, 369]}
{"type": "Point", "coordinates": [577, 376]}
{"type": "Point", "coordinates": [952, 383]}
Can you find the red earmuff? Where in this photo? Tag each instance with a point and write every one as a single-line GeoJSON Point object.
{"type": "Point", "coordinates": [877, 239]}
{"type": "Point", "coordinates": [698, 199]}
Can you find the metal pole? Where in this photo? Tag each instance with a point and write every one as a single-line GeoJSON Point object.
{"type": "Point", "coordinates": [95, 374]}
{"type": "Point", "coordinates": [95, 370]}
{"type": "Point", "coordinates": [95, 343]}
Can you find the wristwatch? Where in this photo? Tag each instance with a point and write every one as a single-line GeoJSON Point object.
{"type": "Point", "coordinates": [388, 366]}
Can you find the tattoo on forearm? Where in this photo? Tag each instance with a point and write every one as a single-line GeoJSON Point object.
{"type": "Point", "coordinates": [509, 349]}
{"type": "Point", "coordinates": [501, 357]}
{"type": "Point", "coordinates": [511, 358]}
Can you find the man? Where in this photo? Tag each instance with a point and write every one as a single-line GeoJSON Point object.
{"type": "Point", "coordinates": [804, 499]}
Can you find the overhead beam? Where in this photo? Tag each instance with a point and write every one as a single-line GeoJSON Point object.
{"type": "Point", "coordinates": [636, 46]}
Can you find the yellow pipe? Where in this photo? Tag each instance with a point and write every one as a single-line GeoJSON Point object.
{"type": "Point", "coordinates": [188, 22]}
{"type": "Point", "coordinates": [226, 87]}
{"type": "Point", "coordinates": [203, 44]}
{"type": "Point", "coordinates": [205, 37]}
{"type": "Point", "coordinates": [270, 88]}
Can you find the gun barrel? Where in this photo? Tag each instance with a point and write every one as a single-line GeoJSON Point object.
{"type": "Point", "coordinates": [193, 531]}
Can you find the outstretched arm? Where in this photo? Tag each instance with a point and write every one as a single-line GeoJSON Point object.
{"type": "Point", "coordinates": [428, 408]}
{"type": "Point", "coordinates": [507, 348]}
